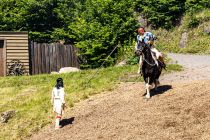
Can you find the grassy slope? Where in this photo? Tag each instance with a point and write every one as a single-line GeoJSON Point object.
{"type": "Point", "coordinates": [198, 41]}
{"type": "Point", "coordinates": [30, 95]}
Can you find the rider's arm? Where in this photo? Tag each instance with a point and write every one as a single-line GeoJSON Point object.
{"type": "Point", "coordinates": [148, 38]}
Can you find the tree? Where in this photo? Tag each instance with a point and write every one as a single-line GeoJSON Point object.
{"type": "Point", "coordinates": [100, 26]}
{"type": "Point", "coordinates": [11, 15]}
{"type": "Point", "coordinates": [196, 5]}
{"type": "Point", "coordinates": [161, 13]}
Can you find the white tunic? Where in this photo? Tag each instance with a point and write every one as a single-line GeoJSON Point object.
{"type": "Point", "coordinates": [58, 99]}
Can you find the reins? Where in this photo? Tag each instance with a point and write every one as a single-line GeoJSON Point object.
{"type": "Point", "coordinates": [146, 60]}
{"type": "Point", "coordinates": [150, 63]}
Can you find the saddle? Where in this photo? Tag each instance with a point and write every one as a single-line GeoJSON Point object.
{"type": "Point", "coordinates": [160, 60]}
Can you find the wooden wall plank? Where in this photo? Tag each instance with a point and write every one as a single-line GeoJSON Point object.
{"type": "Point", "coordinates": [18, 54]}
{"type": "Point", "coordinates": [38, 58]}
{"type": "Point", "coordinates": [17, 45]}
{"type": "Point", "coordinates": [17, 51]}
{"type": "Point", "coordinates": [17, 57]}
{"type": "Point", "coordinates": [43, 59]}
{"type": "Point", "coordinates": [14, 38]}
{"type": "Point", "coordinates": [54, 58]}
{"type": "Point", "coordinates": [17, 40]}
{"type": "Point", "coordinates": [14, 35]}
{"type": "Point", "coordinates": [24, 61]}
{"type": "Point", "coordinates": [25, 64]}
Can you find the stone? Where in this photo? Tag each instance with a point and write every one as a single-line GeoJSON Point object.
{"type": "Point", "coordinates": [207, 29]}
{"type": "Point", "coordinates": [69, 69]}
{"type": "Point", "coordinates": [5, 116]}
{"type": "Point", "coordinates": [183, 40]}
{"type": "Point", "coordinates": [122, 63]}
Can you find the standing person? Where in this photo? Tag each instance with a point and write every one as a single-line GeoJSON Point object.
{"type": "Point", "coordinates": [147, 38]}
{"type": "Point", "coordinates": [58, 101]}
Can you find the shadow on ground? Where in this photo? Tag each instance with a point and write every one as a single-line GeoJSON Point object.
{"type": "Point", "coordinates": [65, 122]}
{"type": "Point", "coordinates": [160, 90]}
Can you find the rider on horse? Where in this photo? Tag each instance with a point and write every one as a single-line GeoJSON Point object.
{"type": "Point", "coordinates": [148, 39]}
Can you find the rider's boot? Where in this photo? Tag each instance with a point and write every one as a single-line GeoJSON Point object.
{"type": "Point", "coordinates": [140, 71]}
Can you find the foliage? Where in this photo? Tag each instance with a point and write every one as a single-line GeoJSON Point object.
{"type": "Point", "coordinates": [196, 5]}
{"type": "Point", "coordinates": [100, 27]}
{"type": "Point", "coordinates": [11, 15]}
{"type": "Point", "coordinates": [161, 13]}
{"type": "Point", "coordinates": [193, 22]}
{"type": "Point", "coordinates": [197, 39]}
{"type": "Point", "coordinates": [95, 26]}
{"type": "Point", "coordinates": [132, 59]}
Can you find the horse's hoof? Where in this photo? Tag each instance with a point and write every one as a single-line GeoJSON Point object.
{"type": "Point", "coordinates": [147, 97]}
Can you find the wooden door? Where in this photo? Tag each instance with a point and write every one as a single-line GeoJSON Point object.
{"type": "Point", "coordinates": [1, 57]}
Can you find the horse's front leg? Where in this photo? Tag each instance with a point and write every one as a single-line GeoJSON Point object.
{"type": "Point", "coordinates": [140, 64]}
{"type": "Point", "coordinates": [148, 87]}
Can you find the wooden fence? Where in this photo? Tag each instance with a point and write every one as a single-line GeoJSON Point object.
{"type": "Point", "coordinates": [46, 58]}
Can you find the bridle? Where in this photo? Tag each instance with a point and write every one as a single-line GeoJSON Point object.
{"type": "Point", "coordinates": [144, 45]}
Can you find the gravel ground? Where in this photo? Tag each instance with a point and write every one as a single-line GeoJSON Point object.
{"type": "Point", "coordinates": [196, 67]}
{"type": "Point", "coordinates": [178, 111]}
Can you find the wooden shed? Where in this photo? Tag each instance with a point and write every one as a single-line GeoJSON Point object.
{"type": "Point", "coordinates": [14, 53]}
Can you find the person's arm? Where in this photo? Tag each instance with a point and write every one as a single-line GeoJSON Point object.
{"type": "Point", "coordinates": [52, 96]}
{"type": "Point", "coordinates": [62, 96]}
{"type": "Point", "coordinates": [148, 38]}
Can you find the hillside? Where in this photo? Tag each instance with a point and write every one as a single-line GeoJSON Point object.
{"type": "Point", "coordinates": [30, 96]}
{"type": "Point", "coordinates": [191, 36]}
{"type": "Point", "coordinates": [179, 110]}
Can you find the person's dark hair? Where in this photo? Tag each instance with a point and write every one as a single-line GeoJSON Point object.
{"type": "Point", "coordinates": [142, 27]}
{"type": "Point", "coordinates": [137, 30]}
{"type": "Point", "coordinates": [59, 83]}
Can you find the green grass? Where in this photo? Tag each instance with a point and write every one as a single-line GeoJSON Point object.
{"type": "Point", "coordinates": [30, 95]}
{"type": "Point", "coordinates": [198, 41]}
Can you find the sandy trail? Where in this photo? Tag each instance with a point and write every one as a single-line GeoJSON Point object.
{"type": "Point", "coordinates": [179, 111]}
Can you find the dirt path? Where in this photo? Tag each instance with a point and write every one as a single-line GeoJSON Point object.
{"type": "Point", "coordinates": [180, 110]}
{"type": "Point", "coordinates": [196, 67]}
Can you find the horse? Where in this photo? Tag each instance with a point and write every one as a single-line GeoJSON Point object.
{"type": "Point", "coordinates": [151, 67]}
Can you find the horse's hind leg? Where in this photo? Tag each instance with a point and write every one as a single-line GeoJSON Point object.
{"type": "Point", "coordinates": [157, 83]}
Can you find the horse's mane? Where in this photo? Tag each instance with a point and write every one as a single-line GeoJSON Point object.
{"type": "Point", "coordinates": [148, 55]}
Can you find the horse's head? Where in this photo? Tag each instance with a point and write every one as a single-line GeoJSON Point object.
{"type": "Point", "coordinates": [140, 47]}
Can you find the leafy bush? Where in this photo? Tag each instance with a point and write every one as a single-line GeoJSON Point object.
{"type": "Point", "coordinates": [133, 60]}
{"type": "Point", "coordinates": [196, 5]}
{"type": "Point", "coordinates": [100, 27]}
{"type": "Point", "coordinates": [193, 22]}
{"type": "Point", "coordinates": [161, 13]}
